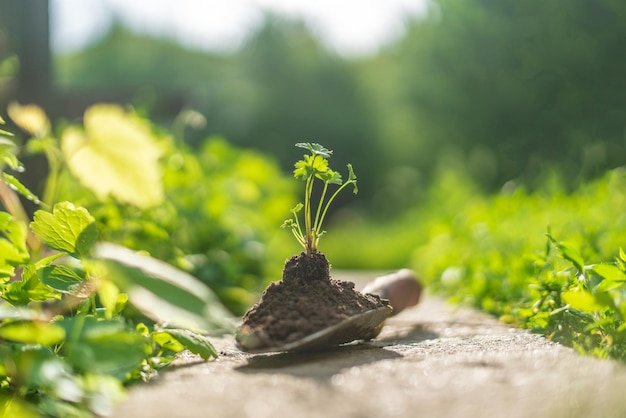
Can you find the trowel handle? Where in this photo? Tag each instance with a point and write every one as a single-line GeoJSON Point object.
{"type": "Point", "coordinates": [403, 289]}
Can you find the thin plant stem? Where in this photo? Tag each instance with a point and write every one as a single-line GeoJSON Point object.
{"type": "Point", "coordinates": [343, 186]}
{"type": "Point", "coordinates": [317, 224]}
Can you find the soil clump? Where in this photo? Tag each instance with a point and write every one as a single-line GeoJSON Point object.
{"type": "Point", "coordinates": [305, 301]}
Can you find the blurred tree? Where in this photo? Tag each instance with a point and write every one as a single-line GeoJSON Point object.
{"type": "Point", "coordinates": [157, 75]}
{"type": "Point", "coordinates": [289, 88]}
{"type": "Point", "coordinates": [25, 28]}
{"type": "Point", "coordinates": [25, 69]}
{"type": "Point", "coordinates": [512, 85]}
{"type": "Point", "coordinates": [283, 86]}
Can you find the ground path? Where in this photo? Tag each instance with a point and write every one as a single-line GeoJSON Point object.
{"type": "Point", "coordinates": [430, 360]}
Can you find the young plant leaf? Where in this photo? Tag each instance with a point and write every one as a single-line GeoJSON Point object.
{"type": "Point", "coordinates": [311, 167]}
{"type": "Point", "coordinates": [67, 228]}
{"type": "Point", "coordinates": [315, 149]}
{"type": "Point", "coordinates": [352, 179]}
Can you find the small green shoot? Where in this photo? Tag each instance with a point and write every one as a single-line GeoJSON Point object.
{"type": "Point", "coordinates": [311, 167]}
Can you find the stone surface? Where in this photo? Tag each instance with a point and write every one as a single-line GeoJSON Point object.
{"type": "Point", "coordinates": [430, 360]}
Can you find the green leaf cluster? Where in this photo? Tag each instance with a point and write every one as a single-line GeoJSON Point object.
{"type": "Point", "coordinates": [493, 252]}
{"type": "Point", "coordinates": [548, 260]}
{"type": "Point", "coordinates": [218, 219]}
{"type": "Point", "coordinates": [80, 318]}
{"type": "Point", "coordinates": [311, 167]}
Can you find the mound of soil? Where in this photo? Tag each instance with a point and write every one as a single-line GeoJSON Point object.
{"type": "Point", "coordinates": [305, 301]}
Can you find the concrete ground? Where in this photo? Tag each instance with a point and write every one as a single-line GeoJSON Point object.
{"type": "Point", "coordinates": [431, 360]}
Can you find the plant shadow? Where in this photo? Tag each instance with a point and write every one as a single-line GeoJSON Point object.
{"type": "Point", "coordinates": [323, 365]}
{"type": "Point", "coordinates": [320, 365]}
{"type": "Point", "coordinates": [410, 335]}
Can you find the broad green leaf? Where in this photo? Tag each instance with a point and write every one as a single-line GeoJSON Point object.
{"type": "Point", "coordinates": [32, 332]}
{"type": "Point", "coordinates": [105, 346]}
{"type": "Point", "coordinates": [116, 155]}
{"type": "Point", "coordinates": [582, 301]}
{"type": "Point", "coordinates": [30, 118]}
{"type": "Point", "coordinates": [82, 327]}
{"type": "Point", "coordinates": [67, 228]}
{"type": "Point", "coordinates": [62, 279]}
{"type": "Point", "coordinates": [16, 185]}
{"type": "Point", "coordinates": [115, 354]}
{"type": "Point", "coordinates": [159, 299]}
{"type": "Point", "coordinates": [609, 272]}
{"type": "Point", "coordinates": [167, 341]}
{"type": "Point", "coordinates": [161, 291]}
{"type": "Point", "coordinates": [196, 343]}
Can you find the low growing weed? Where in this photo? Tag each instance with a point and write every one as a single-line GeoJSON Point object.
{"type": "Point", "coordinates": [548, 260]}
{"type": "Point", "coordinates": [80, 318]}
{"type": "Point", "coordinates": [527, 258]}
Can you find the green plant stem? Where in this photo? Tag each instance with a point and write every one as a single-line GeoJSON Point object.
{"type": "Point", "coordinates": [330, 201]}
{"type": "Point", "coordinates": [307, 216]}
{"type": "Point", "coordinates": [317, 224]}
{"type": "Point", "coordinates": [298, 232]}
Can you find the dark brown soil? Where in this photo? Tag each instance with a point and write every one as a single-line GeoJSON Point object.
{"type": "Point", "coordinates": [305, 301]}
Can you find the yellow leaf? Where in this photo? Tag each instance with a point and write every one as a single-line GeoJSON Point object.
{"type": "Point", "coordinates": [31, 118]}
{"type": "Point", "coordinates": [116, 155]}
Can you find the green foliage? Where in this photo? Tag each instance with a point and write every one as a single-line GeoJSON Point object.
{"type": "Point", "coordinates": [67, 229]}
{"type": "Point", "coordinates": [218, 220]}
{"type": "Point", "coordinates": [315, 166]}
{"type": "Point", "coordinates": [80, 319]}
{"type": "Point", "coordinates": [493, 252]}
{"type": "Point", "coordinates": [509, 84]}
{"type": "Point", "coordinates": [281, 84]}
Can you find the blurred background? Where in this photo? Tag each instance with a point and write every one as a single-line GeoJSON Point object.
{"type": "Point", "coordinates": [505, 93]}
{"type": "Point", "coordinates": [398, 88]}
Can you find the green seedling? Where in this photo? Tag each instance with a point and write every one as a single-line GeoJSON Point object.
{"type": "Point", "coordinates": [311, 167]}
